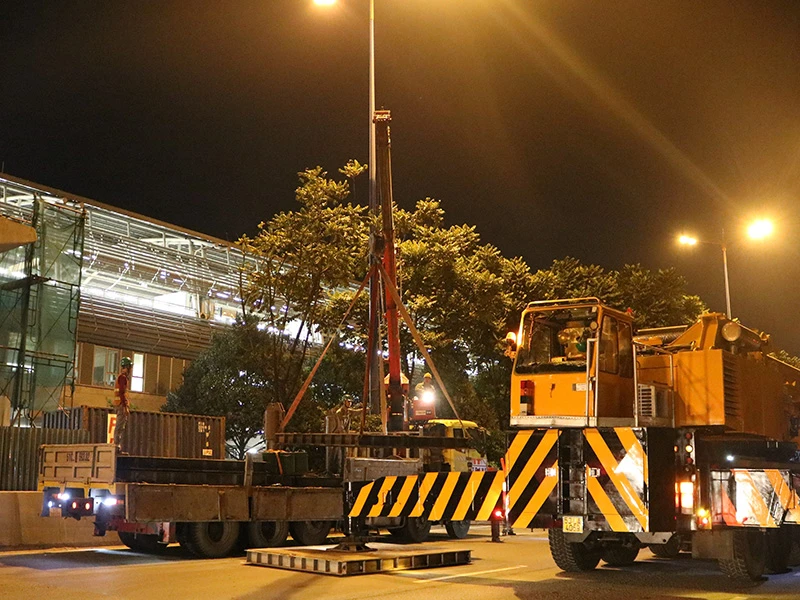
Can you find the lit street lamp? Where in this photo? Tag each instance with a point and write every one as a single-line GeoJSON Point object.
{"type": "Point", "coordinates": [374, 288]}
{"type": "Point", "coordinates": [757, 230]}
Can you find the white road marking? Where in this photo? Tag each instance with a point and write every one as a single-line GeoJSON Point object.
{"type": "Point", "coordinates": [470, 574]}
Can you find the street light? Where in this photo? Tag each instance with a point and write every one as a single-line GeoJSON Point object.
{"type": "Point", "coordinates": [757, 230]}
{"type": "Point", "coordinates": [374, 288]}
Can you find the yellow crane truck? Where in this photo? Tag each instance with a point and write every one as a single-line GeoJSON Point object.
{"type": "Point", "coordinates": [676, 438]}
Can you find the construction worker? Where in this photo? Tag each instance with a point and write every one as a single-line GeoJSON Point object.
{"type": "Point", "coordinates": [121, 402]}
{"type": "Point", "coordinates": [425, 390]}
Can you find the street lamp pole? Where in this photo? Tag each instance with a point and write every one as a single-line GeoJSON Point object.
{"type": "Point", "coordinates": [374, 283]}
{"type": "Point", "coordinates": [725, 269]}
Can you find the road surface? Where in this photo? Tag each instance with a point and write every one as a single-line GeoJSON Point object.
{"type": "Point", "coordinates": [519, 567]}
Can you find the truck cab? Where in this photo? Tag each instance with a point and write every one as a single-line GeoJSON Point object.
{"type": "Point", "coordinates": [573, 365]}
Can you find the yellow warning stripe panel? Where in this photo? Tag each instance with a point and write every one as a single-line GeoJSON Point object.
{"type": "Point", "coordinates": [361, 499]}
{"type": "Point", "coordinates": [492, 498]}
{"type": "Point", "coordinates": [633, 450]}
{"type": "Point", "coordinates": [517, 446]}
{"type": "Point", "coordinates": [794, 512]}
{"type": "Point", "coordinates": [444, 497]}
{"type": "Point", "coordinates": [542, 450]}
{"type": "Point", "coordinates": [402, 497]}
{"type": "Point", "coordinates": [607, 508]}
{"type": "Point", "coordinates": [781, 487]}
{"type": "Point", "coordinates": [424, 489]}
{"type": "Point", "coordinates": [540, 495]}
{"type": "Point", "coordinates": [468, 495]}
{"type": "Point", "coordinates": [746, 490]}
{"type": "Point", "coordinates": [375, 511]}
{"type": "Point", "coordinates": [620, 481]}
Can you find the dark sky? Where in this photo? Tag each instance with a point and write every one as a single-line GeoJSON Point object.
{"type": "Point", "coordinates": [592, 128]}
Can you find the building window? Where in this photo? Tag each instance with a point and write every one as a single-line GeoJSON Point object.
{"type": "Point", "coordinates": [105, 366]}
{"type": "Point", "coordinates": [137, 375]}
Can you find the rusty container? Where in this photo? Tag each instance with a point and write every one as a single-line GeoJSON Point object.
{"type": "Point", "coordinates": [168, 435]}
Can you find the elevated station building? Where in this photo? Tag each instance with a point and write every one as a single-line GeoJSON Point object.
{"type": "Point", "coordinates": [99, 283]}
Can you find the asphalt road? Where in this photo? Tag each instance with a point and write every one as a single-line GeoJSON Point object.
{"type": "Point", "coordinates": [519, 567]}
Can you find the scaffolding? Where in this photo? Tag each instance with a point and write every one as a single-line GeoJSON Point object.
{"type": "Point", "coordinates": [39, 303]}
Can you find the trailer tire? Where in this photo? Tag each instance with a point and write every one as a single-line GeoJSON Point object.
{"type": "Point", "coordinates": [670, 550]}
{"type": "Point", "coordinates": [779, 549]}
{"type": "Point", "coordinates": [267, 534]}
{"type": "Point", "coordinates": [310, 533]}
{"type": "Point", "coordinates": [211, 539]}
{"type": "Point", "coordinates": [569, 556]}
{"type": "Point", "coordinates": [620, 555]}
{"type": "Point", "coordinates": [749, 556]}
{"type": "Point", "coordinates": [141, 542]}
{"type": "Point", "coordinates": [457, 530]}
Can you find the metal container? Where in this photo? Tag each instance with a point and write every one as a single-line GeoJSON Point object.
{"type": "Point", "coordinates": [19, 453]}
{"type": "Point", "coordinates": [169, 435]}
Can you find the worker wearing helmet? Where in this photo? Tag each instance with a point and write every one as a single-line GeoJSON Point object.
{"type": "Point", "coordinates": [425, 390]}
{"type": "Point", "coordinates": [121, 402]}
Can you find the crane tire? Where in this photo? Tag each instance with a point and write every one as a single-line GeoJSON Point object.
{"type": "Point", "coordinates": [779, 549]}
{"type": "Point", "coordinates": [749, 556]}
{"type": "Point", "coordinates": [211, 539]}
{"type": "Point", "coordinates": [670, 550]}
{"type": "Point", "coordinates": [415, 530]}
{"type": "Point", "coordinates": [569, 556]}
{"type": "Point", "coordinates": [620, 556]}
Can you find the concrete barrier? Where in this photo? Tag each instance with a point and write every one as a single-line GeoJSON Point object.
{"type": "Point", "coordinates": [22, 527]}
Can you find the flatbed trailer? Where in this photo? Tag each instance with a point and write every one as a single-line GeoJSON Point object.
{"type": "Point", "coordinates": [215, 506]}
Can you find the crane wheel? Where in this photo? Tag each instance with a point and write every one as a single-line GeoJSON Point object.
{"type": "Point", "coordinates": [267, 534]}
{"type": "Point", "coordinates": [779, 549]}
{"type": "Point", "coordinates": [670, 550]}
{"type": "Point", "coordinates": [310, 533]}
{"type": "Point", "coordinates": [620, 555]}
{"type": "Point", "coordinates": [570, 556]}
{"type": "Point", "coordinates": [211, 539]}
{"type": "Point", "coordinates": [141, 542]}
{"type": "Point", "coordinates": [457, 530]}
{"type": "Point", "coordinates": [749, 556]}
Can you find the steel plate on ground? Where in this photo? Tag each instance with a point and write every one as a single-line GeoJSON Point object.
{"type": "Point", "coordinates": [382, 558]}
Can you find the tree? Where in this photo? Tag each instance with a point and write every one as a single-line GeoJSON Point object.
{"type": "Point", "coordinates": [300, 257]}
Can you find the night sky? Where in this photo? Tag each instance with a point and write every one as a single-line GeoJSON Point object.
{"type": "Point", "coordinates": [593, 128]}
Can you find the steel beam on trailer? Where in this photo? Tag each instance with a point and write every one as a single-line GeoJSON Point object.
{"type": "Point", "coordinates": [371, 440]}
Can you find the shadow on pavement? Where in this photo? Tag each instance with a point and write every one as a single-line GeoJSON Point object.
{"type": "Point", "coordinates": [93, 557]}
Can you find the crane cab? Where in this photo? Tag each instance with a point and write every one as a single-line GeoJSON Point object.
{"type": "Point", "coordinates": [573, 365]}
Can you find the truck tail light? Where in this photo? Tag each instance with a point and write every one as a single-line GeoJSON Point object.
{"type": "Point", "coordinates": [526, 389]}
{"type": "Point", "coordinates": [686, 497]}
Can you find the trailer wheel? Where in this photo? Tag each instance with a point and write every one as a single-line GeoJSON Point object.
{"type": "Point", "coordinates": [267, 534]}
{"type": "Point", "coordinates": [414, 531]}
{"type": "Point", "coordinates": [211, 539]}
{"type": "Point", "coordinates": [749, 560]}
{"type": "Point", "coordinates": [310, 533]}
{"type": "Point", "coordinates": [620, 555]}
{"type": "Point", "coordinates": [669, 550]}
{"type": "Point", "coordinates": [779, 549]}
{"type": "Point", "coordinates": [457, 530]}
{"type": "Point", "coordinates": [141, 542]}
{"type": "Point", "coordinates": [569, 556]}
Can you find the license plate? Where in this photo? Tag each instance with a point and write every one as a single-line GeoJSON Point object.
{"type": "Point", "coordinates": [572, 524]}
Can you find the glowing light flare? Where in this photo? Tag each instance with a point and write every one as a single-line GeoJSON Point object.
{"type": "Point", "coordinates": [686, 491]}
{"type": "Point", "coordinates": [760, 229]}
{"type": "Point", "coordinates": [324, 2]}
{"type": "Point", "coordinates": [687, 240]}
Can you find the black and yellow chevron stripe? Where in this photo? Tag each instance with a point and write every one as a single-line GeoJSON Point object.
{"type": "Point", "coordinates": [617, 478]}
{"type": "Point", "coordinates": [532, 466]}
{"type": "Point", "coordinates": [435, 496]}
{"type": "Point", "coordinates": [754, 498]}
